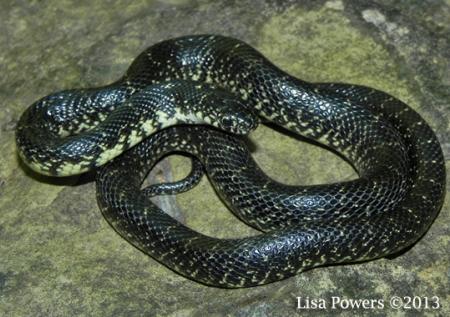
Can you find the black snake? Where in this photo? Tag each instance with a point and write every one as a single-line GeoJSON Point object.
{"type": "Point", "coordinates": [397, 196]}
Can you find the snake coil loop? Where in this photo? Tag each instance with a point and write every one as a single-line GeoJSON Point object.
{"type": "Point", "coordinates": [223, 82]}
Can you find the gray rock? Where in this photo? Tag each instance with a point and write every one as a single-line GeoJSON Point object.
{"type": "Point", "coordinates": [59, 257]}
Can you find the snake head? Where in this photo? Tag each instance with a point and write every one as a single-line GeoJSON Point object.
{"type": "Point", "coordinates": [231, 113]}
{"type": "Point", "coordinates": [242, 122]}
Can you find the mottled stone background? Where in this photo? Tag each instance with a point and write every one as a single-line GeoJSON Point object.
{"type": "Point", "coordinates": [58, 256]}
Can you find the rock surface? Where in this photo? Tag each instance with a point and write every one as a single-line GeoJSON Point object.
{"type": "Point", "coordinates": [59, 257]}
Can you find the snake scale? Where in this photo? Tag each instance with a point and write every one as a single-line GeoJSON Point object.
{"type": "Point", "coordinates": [226, 84]}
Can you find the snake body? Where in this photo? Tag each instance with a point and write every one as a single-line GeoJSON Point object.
{"type": "Point", "coordinates": [391, 205]}
{"type": "Point", "coordinates": [60, 136]}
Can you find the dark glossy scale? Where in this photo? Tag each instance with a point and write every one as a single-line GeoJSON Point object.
{"type": "Point", "coordinates": [392, 203]}
{"type": "Point", "coordinates": [398, 194]}
{"type": "Point", "coordinates": [62, 134]}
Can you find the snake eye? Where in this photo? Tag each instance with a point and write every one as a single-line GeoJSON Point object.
{"type": "Point", "coordinates": [226, 123]}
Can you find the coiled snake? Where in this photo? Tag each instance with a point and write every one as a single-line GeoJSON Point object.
{"type": "Point", "coordinates": [220, 81]}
